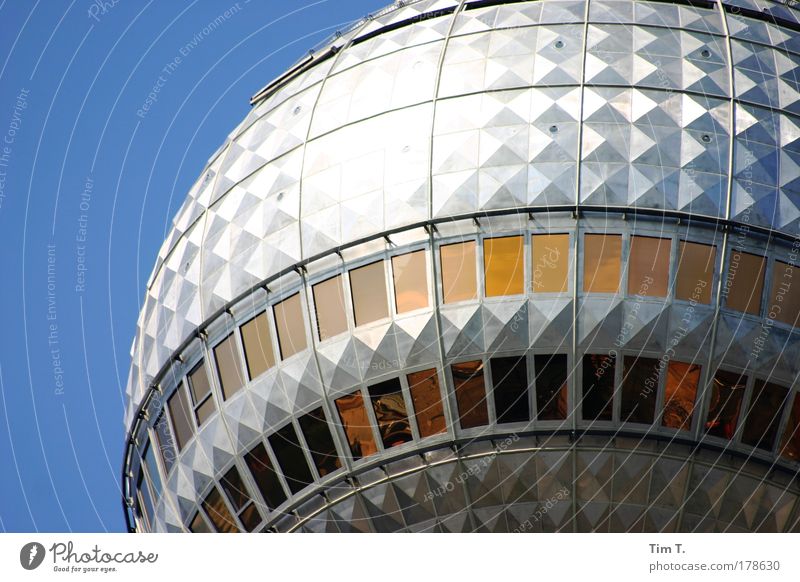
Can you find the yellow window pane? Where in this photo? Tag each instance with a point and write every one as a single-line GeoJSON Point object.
{"type": "Point", "coordinates": [601, 263]}
{"type": "Point", "coordinates": [330, 308]}
{"type": "Point", "coordinates": [695, 272]}
{"type": "Point", "coordinates": [368, 285]}
{"type": "Point", "coordinates": [745, 282]}
{"type": "Point", "coordinates": [290, 326]}
{"type": "Point", "coordinates": [459, 282]}
{"type": "Point", "coordinates": [550, 263]}
{"type": "Point", "coordinates": [784, 296]}
{"type": "Point", "coordinates": [257, 345]}
{"type": "Point", "coordinates": [504, 265]}
{"type": "Point", "coordinates": [648, 271]}
{"type": "Point", "coordinates": [410, 274]}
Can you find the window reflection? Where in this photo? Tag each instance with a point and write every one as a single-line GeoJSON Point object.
{"type": "Point", "coordinates": [790, 443]}
{"type": "Point", "coordinates": [218, 512]}
{"type": "Point", "coordinates": [410, 274]}
{"type": "Point", "coordinates": [330, 307]}
{"type": "Point", "coordinates": [551, 386]}
{"type": "Point", "coordinates": [639, 387]}
{"type": "Point", "coordinates": [257, 345]}
{"type": "Point", "coordinates": [427, 401]}
{"type": "Point", "coordinates": [145, 507]}
{"type": "Point", "coordinates": [784, 304]}
{"type": "Point", "coordinates": [470, 394]}
{"type": "Point", "coordinates": [265, 476]}
{"type": "Point", "coordinates": [181, 419]}
{"type": "Point", "coordinates": [745, 282]}
{"type": "Point", "coordinates": [510, 389]}
{"type": "Point", "coordinates": [648, 270]}
{"type": "Point", "coordinates": [200, 389]}
{"type": "Point", "coordinates": [764, 414]}
{"type": "Point", "coordinates": [459, 282]}
{"type": "Point", "coordinates": [239, 498]}
{"type": "Point", "coordinates": [166, 442]}
{"type": "Point", "coordinates": [695, 275]}
{"type": "Point", "coordinates": [390, 412]}
{"type": "Point", "coordinates": [368, 286]}
{"type": "Point", "coordinates": [727, 391]}
{"type": "Point", "coordinates": [680, 393]}
{"type": "Point", "coordinates": [504, 265]}
{"type": "Point", "coordinates": [290, 325]}
{"type": "Point", "coordinates": [356, 425]}
{"type": "Point", "coordinates": [550, 266]}
{"type": "Point", "coordinates": [198, 524]}
{"type": "Point", "coordinates": [153, 475]}
{"type": "Point", "coordinates": [229, 366]}
{"type": "Point", "coordinates": [320, 443]}
{"type": "Point", "coordinates": [291, 459]}
{"type": "Point", "coordinates": [598, 386]}
{"type": "Point", "coordinates": [602, 263]}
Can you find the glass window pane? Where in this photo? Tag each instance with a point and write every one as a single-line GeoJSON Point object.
{"type": "Point", "coordinates": [291, 459]}
{"type": "Point", "coordinates": [727, 392]}
{"type": "Point", "coordinates": [790, 443]}
{"type": "Point", "coordinates": [745, 282]}
{"type": "Point", "coordinates": [470, 394]}
{"type": "Point", "coordinates": [330, 307]}
{"type": "Point", "coordinates": [145, 505]}
{"type": "Point", "coordinates": [152, 470]}
{"type": "Point", "coordinates": [198, 524]}
{"type": "Point", "coordinates": [320, 443]}
{"type": "Point", "coordinates": [601, 263]}
{"type": "Point", "coordinates": [550, 263]}
{"type": "Point", "coordinates": [764, 414]}
{"type": "Point", "coordinates": [181, 417]}
{"type": "Point", "coordinates": [695, 272]}
{"type": "Point", "coordinates": [784, 302]}
{"type": "Point", "coordinates": [598, 386]}
{"type": "Point", "coordinates": [410, 273]}
{"type": "Point", "coordinates": [510, 389]}
{"type": "Point", "coordinates": [205, 410]}
{"type": "Point", "coordinates": [290, 325]}
{"type": "Point", "coordinates": [218, 513]}
{"type": "Point", "coordinates": [390, 412]}
{"type": "Point", "coordinates": [229, 366]}
{"type": "Point", "coordinates": [356, 425]}
{"type": "Point", "coordinates": [459, 281]}
{"type": "Point", "coordinates": [427, 400]}
{"type": "Point", "coordinates": [551, 386]}
{"type": "Point", "coordinates": [639, 387]}
{"type": "Point", "coordinates": [265, 477]}
{"type": "Point", "coordinates": [648, 271]}
{"type": "Point", "coordinates": [504, 265]}
{"type": "Point", "coordinates": [166, 442]}
{"type": "Point", "coordinates": [198, 383]}
{"type": "Point", "coordinates": [680, 393]}
{"type": "Point", "coordinates": [250, 517]}
{"type": "Point", "coordinates": [234, 489]}
{"type": "Point", "coordinates": [368, 286]}
{"type": "Point", "coordinates": [257, 345]}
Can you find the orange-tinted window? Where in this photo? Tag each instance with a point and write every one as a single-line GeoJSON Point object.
{"type": "Point", "coordinates": [648, 266]}
{"type": "Point", "coordinates": [602, 263]}
{"type": "Point", "coordinates": [550, 266]}
{"type": "Point", "coordinates": [504, 265]}
{"type": "Point", "coordinates": [727, 392]}
{"type": "Point", "coordinates": [330, 307]}
{"type": "Point", "coordinates": [390, 412]}
{"type": "Point", "coordinates": [410, 274]}
{"type": "Point", "coordinates": [680, 394]}
{"type": "Point", "coordinates": [784, 304]}
{"type": "Point", "coordinates": [764, 414]}
{"type": "Point", "coordinates": [790, 443]}
{"type": "Point", "coordinates": [427, 401]}
{"type": "Point", "coordinates": [470, 394]}
{"type": "Point", "coordinates": [257, 345]}
{"type": "Point", "coordinates": [290, 326]}
{"type": "Point", "coordinates": [695, 275]}
{"type": "Point", "coordinates": [368, 285]}
{"type": "Point", "coordinates": [356, 425]}
{"type": "Point", "coordinates": [218, 512]}
{"type": "Point", "coordinates": [745, 282]}
{"type": "Point", "coordinates": [459, 281]}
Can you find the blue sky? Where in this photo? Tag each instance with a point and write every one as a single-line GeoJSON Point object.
{"type": "Point", "coordinates": [88, 189]}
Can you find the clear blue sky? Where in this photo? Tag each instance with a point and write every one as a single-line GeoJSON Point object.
{"type": "Point", "coordinates": [72, 77]}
